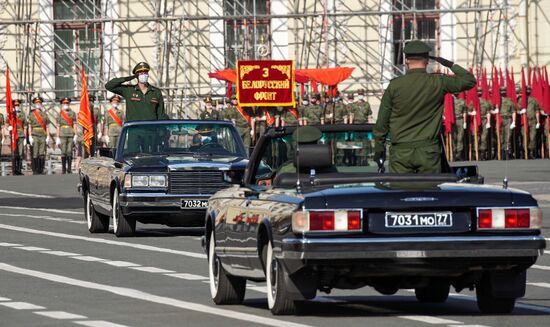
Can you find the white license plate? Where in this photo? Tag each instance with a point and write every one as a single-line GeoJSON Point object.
{"type": "Point", "coordinates": [418, 219]}
{"type": "Point", "coordinates": [194, 204]}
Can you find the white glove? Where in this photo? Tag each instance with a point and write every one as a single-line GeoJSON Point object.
{"type": "Point", "coordinates": [74, 139]}
{"type": "Point", "coordinates": [537, 126]}
{"type": "Point", "coordinates": [488, 125]}
{"type": "Point", "coordinates": [24, 141]}
{"type": "Point", "coordinates": [107, 139]}
{"type": "Point", "coordinates": [57, 141]}
{"type": "Point", "coordinates": [522, 111]}
{"type": "Point", "coordinates": [31, 140]}
{"type": "Point", "coordinates": [464, 125]}
{"type": "Point", "coordinates": [513, 125]}
{"type": "Point", "coordinates": [494, 112]}
{"type": "Point", "coordinates": [99, 135]}
{"type": "Point", "coordinates": [48, 139]}
{"type": "Point", "coordinates": [472, 113]}
{"type": "Point", "coordinates": [3, 140]}
{"type": "Point", "coordinates": [10, 128]}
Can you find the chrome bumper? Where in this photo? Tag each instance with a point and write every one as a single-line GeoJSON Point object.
{"type": "Point", "coordinates": [157, 202]}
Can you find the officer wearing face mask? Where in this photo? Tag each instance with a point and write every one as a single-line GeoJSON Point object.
{"type": "Point", "coordinates": [114, 118]}
{"type": "Point", "coordinates": [66, 130]}
{"type": "Point", "coordinates": [143, 101]}
{"type": "Point", "coordinates": [19, 152]}
{"type": "Point", "coordinates": [39, 136]}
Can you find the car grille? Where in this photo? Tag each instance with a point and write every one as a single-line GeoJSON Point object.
{"type": "Point", "coordinates": [196, 182]}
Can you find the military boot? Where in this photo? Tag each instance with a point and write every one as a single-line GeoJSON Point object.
{"type": "Point", "coordinates": [69, 165]}
{"type": "Point", "coordinates": [18, 166]}
{"type": "Point", "coordinates": [35, 166]}
{"type": "Point", "coordinates": [41, 164]}
{"type": "Point", "coordinates": [14, 166]}
{"type": "Point", "coordinates": [531, 155]}
{"type": "Point", "coordinates": [63, 165]}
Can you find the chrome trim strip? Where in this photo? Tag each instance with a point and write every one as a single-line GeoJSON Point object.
{"type": "Point", "coordinates": [164, 195]}
{"type": "Point", "coordinates": [430, 239]}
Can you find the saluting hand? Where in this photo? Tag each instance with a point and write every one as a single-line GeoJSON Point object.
{"type": "Point", "coordinates": [443, 61]}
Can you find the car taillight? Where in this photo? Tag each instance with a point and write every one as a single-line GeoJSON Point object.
{"type": "Point", "coordinates": [509, 218]}
{"type": "Point", "coordinates": [327, 221]}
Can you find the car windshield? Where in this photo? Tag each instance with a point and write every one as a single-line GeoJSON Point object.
{"type": "Point", "coordinates": [181, 138]}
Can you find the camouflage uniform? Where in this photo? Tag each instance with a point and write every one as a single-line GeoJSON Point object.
{"type": "Point", "coordinates": [507, 112]}
{"type": "Point", "coordinates": [458, 131]}
{"type": "Point", "coordinates": [485, 110]}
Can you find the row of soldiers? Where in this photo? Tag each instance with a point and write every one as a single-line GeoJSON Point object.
{"type": "Point", "coordinates": [315, 109]}
{"type": "Point", "coordinates": [500, 134]}
{"type": "Point", "coordinates": [33, 131]}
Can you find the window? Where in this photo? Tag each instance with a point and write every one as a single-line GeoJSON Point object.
{"type": "Point", "coordinates": [76, 44]}
{"type": "Point", "coordinates": [409, 26]}
{"type": "Point", "coordinates": [243, 38]}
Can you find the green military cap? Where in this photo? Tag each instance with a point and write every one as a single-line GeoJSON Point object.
{"type": "Point", "coordinates": [65, 100]}
{"type": "Point", "coordinates": [306, 134]}
{"type": "Point", "coordinates": [416, 48]}
{"type": "Point", "coordinates": [115, 97]}
{"type": "Point", "coordinates": [37, 98]}
{"type": "Point", "coordinates": [361, 92]}
{"type": "Point", "coordinates": [234, 97]}
{"type": "Point", "coordinates": [208, 99]}
{"type": "Point", "coordinates": [141, 67]}
{"type": "Point", "coordinates": [15, 101]}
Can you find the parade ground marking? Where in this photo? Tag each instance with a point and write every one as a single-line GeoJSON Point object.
{"type": "Point", "coordinates": [28, 194]}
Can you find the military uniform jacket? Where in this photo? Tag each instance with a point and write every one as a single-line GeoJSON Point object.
{"type": "Point", "coordinates": [1, 120]}
{"type": "Point", "coordinates": [139, 106]}
{"type": "Point", "coordinates": [507, 108]}
{"type": "Point", "coordinates": [112, 126]}
{"type": "Point", "coordinates": [460, 109]}
{"type": "Point", "coordinates": [361, 111]}
{"type": "Point", "coordinates": [36, 127]}
{"type": "Point", "coordinates": [20, 124]}
{"type": "Point", "coordinates": [485, 108]}
{"type": "Point", "coordinates": [532, 109]}
{"type": "Point", "coordinates": [64, 128]}
{"type": "Point", "coordinates": [411, 109]}
{"type": "Point", "coordinates": [214, 115]}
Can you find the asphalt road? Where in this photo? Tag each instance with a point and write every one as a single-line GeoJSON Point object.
{"type": "Point", "coordinates": [54, 273]}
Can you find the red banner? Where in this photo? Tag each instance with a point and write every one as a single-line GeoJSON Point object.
{"type": "Point", "coordinates": [266, 83]}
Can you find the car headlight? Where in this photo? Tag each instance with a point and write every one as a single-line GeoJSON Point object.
{"type": "Point", "coordinates": [140, 181]}
{"type": "Point", "coordinates": [157, 181]}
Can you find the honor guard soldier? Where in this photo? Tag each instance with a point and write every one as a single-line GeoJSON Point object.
{"type": "Point", "coordinates": [508, 114]}
{"type": "Point", "coordinates": [461, 123]}
{"type": "Point", "coordinates": [313, 111]}
{"type": "Point", "coordinates": [143, 101]}
{"type": "Point", "coordinates": [209, 113]}
{"type": "Point", "coordinates": [114, 118]}
{"type": "Point", "coordinates": [362, 113]}
{"type": "Point", "coordinates": [485, 111]}
{"type": "Point", "coordinates": [301, 109]}
{"type": "Point", "coordinates": [66, 131]}
{"type": "Point", "coordinates": [411, 111]}
{"type": "Point", "coordinates": [533, 120]}
{"type": "Point", "coordinates": [230, 113]}
{"type": "Point", "coordinates": [39, 136]}
{"type": "Point", "coordinates": [19, 152]}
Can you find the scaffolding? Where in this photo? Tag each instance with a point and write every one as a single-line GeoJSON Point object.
{"type": "Point", "coordinates": [183, 40]}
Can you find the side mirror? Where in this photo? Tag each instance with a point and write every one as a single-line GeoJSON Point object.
{"type": "Point", "coordinates": [107, 152]}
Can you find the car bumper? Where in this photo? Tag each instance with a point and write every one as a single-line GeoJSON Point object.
{"type": "Point", "coordinates": [155, 203]}
{"type": "Point", "coordinates": [299, 252]}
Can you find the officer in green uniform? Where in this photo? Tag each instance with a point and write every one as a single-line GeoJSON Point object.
{"type": "Point", "coordinates": [485, 111]}
{"type": "Point", "coordinates": [313, 112]}
{"type": "Point", "coordinates": [362, 111]}
{"type": "Point", "coordinates": [209, 113]}
{"type": "Point", "coordinates": [508, 114]}
{"type": "Point", "coordinates": [533, 117]}
{"type": "Point", "coordinates": [411, 111]}
{"type": "Point", "coordinates": [66, 121]}
{"type": "Point", "coordinates": [242, 124]}
{"type": "Point", "coordinates": [460, 113]}
{"type": "Point", "coordinates": [340, 113]}
{"type": "Point", "coordinates": [301, 109]}
{"type": "Point", "coordinates": [143, 101]}
{"type": "Point", "coordinates": [114, 118]}
{"type": "Point", "coordinates": [39, 137]}
{"type": "Point", "coordinates": [19, 152]}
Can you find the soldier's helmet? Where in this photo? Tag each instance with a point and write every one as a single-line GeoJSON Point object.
{"type": "Point", "coordinates": [115, 97]}
{"type": "Point", "coordinates": [141, 67]}
{"type": "Point", "coordinates": [37, 99]}
{"type": "Point", "coordinates": [416, 49]}
{"type": "Point", "coordinates": [65, 100]}
{"type": "Point", "coordinates": [306, 134]}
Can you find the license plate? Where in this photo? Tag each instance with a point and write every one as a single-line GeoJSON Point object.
{"type": "Point", "coordinates": [194, 204]}
{"type": "Point", "coordinates": [418, 219]}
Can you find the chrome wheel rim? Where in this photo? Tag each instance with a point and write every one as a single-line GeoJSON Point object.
{"type": "Point", "coordinates": [89, 208]}
{"type": "Point", "coordinates": [214, 267]}
{"type": "Point", "coordinates": [115, 211]}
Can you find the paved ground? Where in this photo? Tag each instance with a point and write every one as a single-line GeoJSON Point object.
{"type": "Point", "coordinates": [54, 273]}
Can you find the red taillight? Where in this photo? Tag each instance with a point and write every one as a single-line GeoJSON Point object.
{"type": "Point", "coordinates": [485, 219]}
{"type": "Point", "coordinates": [321, 220]}
{"type": "Point", "coordinates": [516, 218]}
{"type": "Point", "coordinates": [354, 220]}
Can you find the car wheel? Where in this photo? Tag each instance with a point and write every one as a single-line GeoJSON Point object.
{"type": "Point", "coordinates": [437, 291]}
{"type": "Point", "coordinates": [278, 299]}
{"type": "Point", "coordinates": [488, 304]}
{"type": "Point", "coordinates": [224, 288]}
{"type": "Point", "coordinates": [97, 223]}
{"type": "Point", "coordinates": [122, 225]}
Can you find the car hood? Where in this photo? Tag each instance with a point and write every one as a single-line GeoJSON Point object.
{"type": "Point", "coordinates": [183, 162]}
{"type": "Point", "coordinates": [414, 195]}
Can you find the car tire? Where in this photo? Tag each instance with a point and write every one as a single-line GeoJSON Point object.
{"type": "Point", "coordinates": [123, 226]}
{"type": "Point", "coordinates": [278, 299]}
{"type": "Point", "coordinates": [489, 304]}
{"type": "Point", "coordinates": [224, 288]}
{"type": "Point", "coordinates": [437, 291]}
{"type": "Point", "coordinates": [97, 223]}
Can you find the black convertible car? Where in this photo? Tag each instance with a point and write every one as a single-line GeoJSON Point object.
{"type": "Point", "coordinates": [336, 222]}
{"type": "Point", "coordinates": [162, 172]}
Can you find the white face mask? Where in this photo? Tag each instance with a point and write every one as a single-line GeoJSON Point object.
{"type": "Point", "coordinates": [304, 102]}
{"type": "Point", "coordinates": [115, 105]}
{"type": "Point", "coordinates": [360, 97]}
{"type": "Point", "coordinates": [17, 108]}
{"type": "Point", "coordinates": [66, 107]}
{"type": "Point", "coordinates": [38, 106]}
{"type": "Point", "coordinates": [143, 78]}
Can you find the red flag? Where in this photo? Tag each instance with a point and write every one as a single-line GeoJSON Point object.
{"type": "Point", "coordinates": [302, 90]}
{"type": "Point", "coordinates": [228, 90]}
{"type": "Point", "coordinates": [472, 100]}
{"type": "Point", "coordinates": [314, 87]}
{"type": "Point", "coordinates": [530, 75]}
{"type": "Point", "coordinates": [85, 116]}
{"type": "Point", "coordinates": [495, 89]}
{"type": "Point", "coordinates": [11, 113]}
{"type": "Point", "coordinates": [485, 86]}
{"type": "Point", "coordinates": [523, 104]}
{"type": "Point", "coordinates": [511, 87]}
{"type": "Point", "coordinates": [449, 113]}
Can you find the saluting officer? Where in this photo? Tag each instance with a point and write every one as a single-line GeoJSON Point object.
{"type": "Point", "coordinates": [411, 111]}
{"type": "Point", "coordinates": [66, 130]}
{"type": "Point", "coordinates": [19, 152]}
{"type": "Point", "coordinates": [143, 101]}
{"type": "Point", "coordinates": [209, 113]}
{"type": "Point", "coordinates": [39, 135]}
{"type": "Point", "coordinates": [114, 118]}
